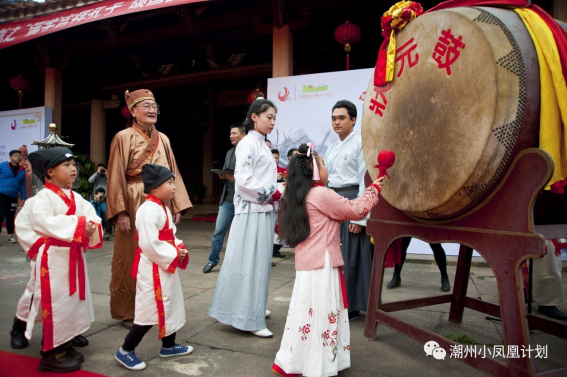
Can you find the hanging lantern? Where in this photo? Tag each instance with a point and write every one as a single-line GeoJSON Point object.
{"type": "Point", "coordinates": [20, 84]}
{"type": "Point", "coordinates": [254, 96]}
{"type": "Point", "coordinates": [347, 34]}
{"type": "Point", "coordinates": [125, 112]}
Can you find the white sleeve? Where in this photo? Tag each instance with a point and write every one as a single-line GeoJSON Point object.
{"type": "Point", "coordinates": [149, 221]}
{"type": "Point", "coordinates": [250, 188]}
{"type": "Point", "coordinates": [26, 236]}
{"type": "Point", "coordinates": [361, 186]}
{"type": "Point", "coordinates": [95, 240]}
{"type": "Point", "coordinates": [47, 224]}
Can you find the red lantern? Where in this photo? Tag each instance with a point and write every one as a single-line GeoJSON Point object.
{"type": "Point", "coordinates": [20, 84]}
{"type": "Point", "coordinates": [347, 34]}
{"type": "Point", "coordinates": [125, 112]}
{"type": "Point", "coordinates": [254, 96]}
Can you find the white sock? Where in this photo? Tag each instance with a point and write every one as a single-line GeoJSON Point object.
{"type": "Point", "coordinates": [122, 352]}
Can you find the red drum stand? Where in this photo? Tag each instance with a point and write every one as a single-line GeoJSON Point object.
{"type": "Point", "coordinates": [501, 229]}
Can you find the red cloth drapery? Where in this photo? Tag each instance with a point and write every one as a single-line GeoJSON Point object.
{"type": "Point", "coordinates": [20, 31]}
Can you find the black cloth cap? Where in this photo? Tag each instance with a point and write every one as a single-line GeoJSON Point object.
{"type": "Point", "coordinates": [154, 175]}
{"type": "Point", "coordinates": [45, 159]}
{"type": "Point", "coordinates": [14, 151]}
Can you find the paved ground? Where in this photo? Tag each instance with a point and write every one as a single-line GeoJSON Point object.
{"type": "Point", "coordinates": [223, 351]}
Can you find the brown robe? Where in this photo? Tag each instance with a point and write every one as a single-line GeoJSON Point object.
{"type": "Point", "coordinates": [129, 151]}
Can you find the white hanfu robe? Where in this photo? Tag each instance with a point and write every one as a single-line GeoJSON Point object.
{"type": "Point", "coordinates": [159, 298]}
{"type": "Point", "coordinates": [62, 283]}
{"type": "Point", "coordinates": [30, 242]}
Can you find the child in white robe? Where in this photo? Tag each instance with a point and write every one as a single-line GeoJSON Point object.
{"type": "Point", "coordinates": [159, 299]}
{"type": "Point", "coordinates": [69, 225]}
{"type": "Point", "coordinates": [30, 243]}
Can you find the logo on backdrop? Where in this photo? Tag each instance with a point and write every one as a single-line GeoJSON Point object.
{"type": "Point", "coordinates": [14, 125]}
{"type": "Point", "coordinates": [285, 96]}
{"type": "Point", "coordinates": [312, 91]}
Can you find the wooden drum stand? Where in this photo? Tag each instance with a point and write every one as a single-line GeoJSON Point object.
{"type": "Point", "coordinates": [502, 230]}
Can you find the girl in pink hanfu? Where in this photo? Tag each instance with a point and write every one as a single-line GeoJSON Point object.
{"type": "Point", "coordinates": [316, 338]}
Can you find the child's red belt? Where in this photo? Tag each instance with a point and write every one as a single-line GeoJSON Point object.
{"type": "Point", "coordinates": [75, 255]}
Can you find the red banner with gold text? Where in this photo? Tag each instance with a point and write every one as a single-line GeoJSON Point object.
{"type": "Point", "coordinates": [21, 31]}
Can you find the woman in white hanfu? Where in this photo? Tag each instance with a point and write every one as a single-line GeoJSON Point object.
{"type": "Point", "coordinates": [242, 287]}
{"type": "Point", "coordinates": [316, 338]}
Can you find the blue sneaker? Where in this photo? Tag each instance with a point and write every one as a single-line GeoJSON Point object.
{"type": "Point", "coordinates": [177, 350]}
{"type": "Point", "coordinates": [130, 360]}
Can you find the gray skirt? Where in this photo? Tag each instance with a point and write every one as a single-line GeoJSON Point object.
{"type": "Point", "coordinates": [242, 286]}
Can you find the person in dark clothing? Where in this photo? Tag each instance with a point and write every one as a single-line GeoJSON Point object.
{"type": "Point", "coordinates": [12, 183]}
{"type": "Point", "coordinates": [440, 258]}
{"type": "Point", "coordinates": [99, 203]}
{"type": "Point", "coordinates": [226, 205]}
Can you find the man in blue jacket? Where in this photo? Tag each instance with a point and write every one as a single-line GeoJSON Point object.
{"type": "Point", "coordinates": [12, 182]}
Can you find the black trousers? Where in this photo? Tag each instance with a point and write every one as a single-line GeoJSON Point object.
{"type": "Point", "coordinates": [438, 253]}
{"type": "Point", "coordinates": [136, 334]}
{"type": "Point", "coordinates": [8, 206]}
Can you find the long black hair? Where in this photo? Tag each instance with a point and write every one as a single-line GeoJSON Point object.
{"type": "Point", "coordinates": [294, 220]}
{"type": "Point", "coordinates": [258, 107]}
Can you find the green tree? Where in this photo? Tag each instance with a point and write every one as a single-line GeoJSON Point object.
{"type": "Point", "coordinates": [86, 169]}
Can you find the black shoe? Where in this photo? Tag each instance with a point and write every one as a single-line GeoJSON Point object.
{"type": "Point", "coordinates": [353, 315]}
{"type": "Point", "coordinates": [553, 312]}
{"type": "Point", "coordinates": [276, 252]}
{"type": "Point", "coordinates": [395, 282]}
{"type": "Point", "coordinates": [58, 362]}
{"type": "Point", "coordinates": [74, 354]}
{"type": "Point", "coordinates": [17, 337]}
{"type": "Point", "coordinates": [80, 341]}
{"type": "Point", "coordinates": [128, 323]}
{"type": "Point", "coordinates": [18, 340]}
{"type": "Point", "coordinates": [273, 264]}
{"type": "Point", "coordinates": [445, 285]}
{"type": "Point", "coordinates": [208, 267]}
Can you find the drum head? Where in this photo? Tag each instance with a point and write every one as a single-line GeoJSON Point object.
{"type": "Point", "coordinates": [452, 113]}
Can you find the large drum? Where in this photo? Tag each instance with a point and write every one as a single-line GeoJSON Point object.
{"type": "Point", "coordinates": [463, 103]}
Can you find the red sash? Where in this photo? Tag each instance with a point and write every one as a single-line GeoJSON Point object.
{"type": "Point", "coordinates": [34, 250]}
{"type": "Point", "coordinates": [166, 234]}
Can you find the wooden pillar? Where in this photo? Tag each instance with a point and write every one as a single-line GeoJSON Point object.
{"type": "Point", "coordinates": [98, 132]}
{"type": "Point", "coordinates": [560, 10]}
{"type": "Point", "coordinates": [53, 94]}
{"type": "Point", "coordinates": [208, 148]}
{"type": "Point", "coordinates": [282, 57]}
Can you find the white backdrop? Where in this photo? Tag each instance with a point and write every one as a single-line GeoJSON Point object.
{"type": "Point", "coordinates": [304, 115]}
{"type": "Point", "coordinates": [22, 127]}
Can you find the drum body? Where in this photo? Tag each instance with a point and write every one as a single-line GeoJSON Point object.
{"type": "Point", "coordinates": [463, 103]}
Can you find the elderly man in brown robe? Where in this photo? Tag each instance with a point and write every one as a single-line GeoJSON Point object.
{"type": "Point", "coordinates": [139, 144]}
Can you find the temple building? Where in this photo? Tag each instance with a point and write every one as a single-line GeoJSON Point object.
{"type": "Point", "coordinates": [202, 60]}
